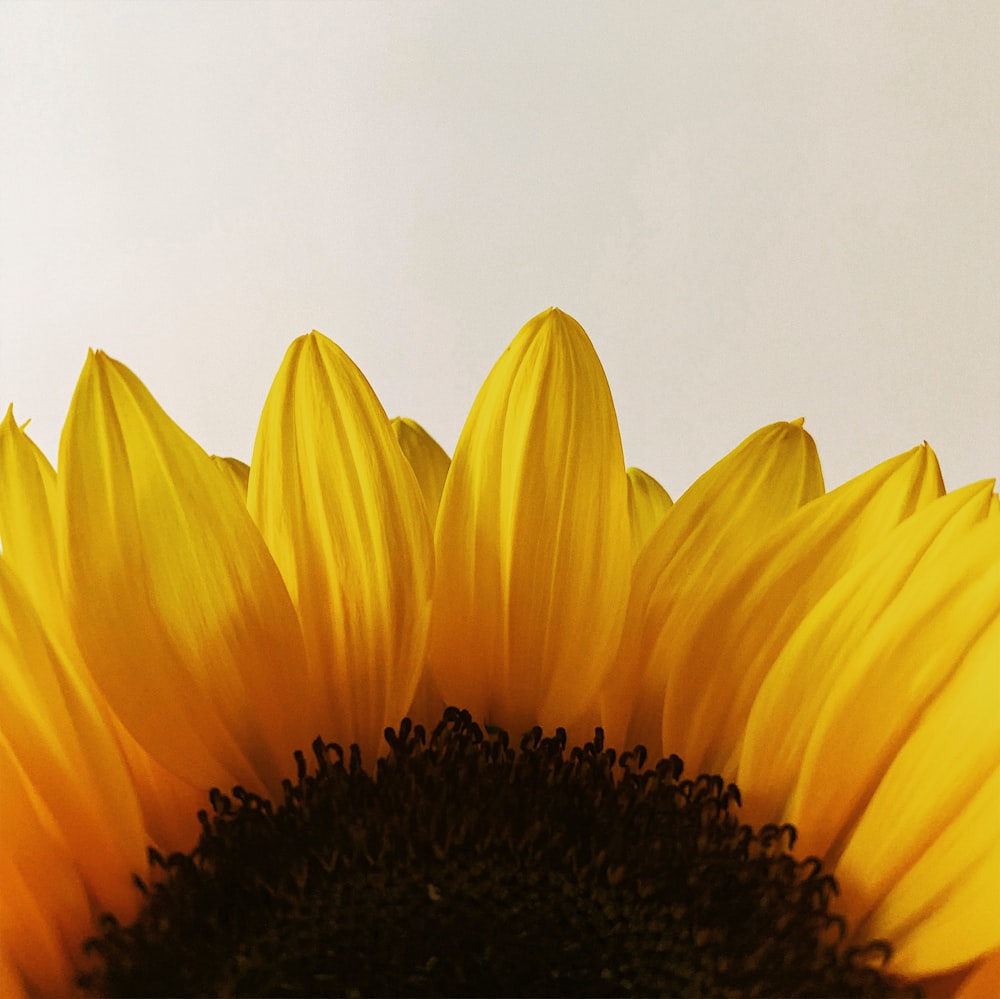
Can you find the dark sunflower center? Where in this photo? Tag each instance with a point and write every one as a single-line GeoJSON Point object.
{"type": "Point", "coordinates": [471, 867]}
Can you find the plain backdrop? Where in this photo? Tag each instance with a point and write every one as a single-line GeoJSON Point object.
{"type": "Point", "coordinates": [758, 211]}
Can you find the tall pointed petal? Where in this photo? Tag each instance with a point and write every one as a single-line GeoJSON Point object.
{"type": "Point", "coordinates": [178, 607]}
{"type": "Point", "coordinates": [343, 514]}
{"type": "Point", "coordinates": [765, 479]}
{"type": "Point", "coordinates": [739, 627]}
{"type": "Point", "coordinates": [648, 503]}
{"type": "Point", "coordinates": [72, 832]}
{"type": "Point", "coordinates": [427, 458]}
{"type": "Point", "coordinates": [893, 630]}
{"type": "Point", "coordinates": [532, 536]}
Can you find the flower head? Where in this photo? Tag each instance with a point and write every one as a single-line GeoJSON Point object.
{"type": "Point", "coordinates": [173, 623]}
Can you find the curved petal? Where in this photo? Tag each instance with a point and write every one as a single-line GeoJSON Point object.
{"type": "Point", "coordinates": [648, 503]}
{"type": "Point", "coordinates": [892, 630]}
{"type": "Point", "coordinates": [922, 866]}
{"type": "Point", "coordinates": [72, 831]}
{"type": "Point", "coordinates": [177, 605]}
{"type": "Point", "coordinates": [343, 514]}
{"type": "Point", "coordinates": [742, 497]}
{"type": "Point", "coordinates": [739, 626]}
{"type": "Point", "coordinates": [427, 458]}
{"type": "Point", "coordinates": [532, 536]}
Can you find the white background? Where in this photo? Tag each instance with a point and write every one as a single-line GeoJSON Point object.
{"type": "Point", "coordinates": [758, 211]}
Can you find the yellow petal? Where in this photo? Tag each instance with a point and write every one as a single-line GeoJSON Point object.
{"type": "Point", "coordinates": [237, 472]}
{"type": "Point", "coordinates": [178, 607]}
{"type": "Point", "coordinates": [343, 514]}
{"type": "Point", "coordinates": [648, 502]}
{"type": "Point", "coordinates": [72, 832]}
{"type": "Point", "coordinates": [762, 481]}
{"type": "Point", "coordinates": [27, 507]}
{"type": "Point", "coordinates": [427, 459]}
{"type": "Point", "coordinates": [532, 538]}
{"type": "Point", "coordinates": [862, 666]}
{"type": "Point", "coordinates": [739, 626]}
{"type": "Point", "coordinates": [922, 867]}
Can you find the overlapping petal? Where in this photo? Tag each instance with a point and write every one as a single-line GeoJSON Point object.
{"type": "Point", "coordinates": [708, 530]}
{"type": "Point", "coordinates": [743, 617]}
{"type": "Point", "coordinates": [177, 605]}
{"type": "Point", "coordinates": [890, 632]}
{"type": "Point", "coordinates": [72, 831]}
{"type": "Point", "coordinates": [836, 654]}
{"type": "Point", "coordinates": [532, 539]}
{"type": "Point", "coordinates": [341, 509]}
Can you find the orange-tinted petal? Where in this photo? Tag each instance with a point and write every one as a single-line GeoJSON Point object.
{"type": "Point", "coordinates": [343, 514]}
{"type": "Point", "coordinates": [177, 605]}
{"type": "Point", "coordinates": [765, 479]}
{"type": "Point", "coordinates": [72, 832]}
{"type": "Point", "coordinates": [532, 538]}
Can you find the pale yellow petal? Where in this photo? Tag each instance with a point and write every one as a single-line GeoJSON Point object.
{"type": "Point", "coordinates": [236, 472]}
{"type": "Point", "coordinates": [846, 688]}
{"type": "Point", "coordinates": [739, 625]}
{"type": "Point", "coordinates": [533, 542]}
{"type": "Point", "coordinates": [178, 607]}
{"type": "Point", "coordinates": [342, 512]}
{"type": "Point", "coordinates": [648, 502]}
{"type": "Point", "coordinates": [745, 495]}
{"type": "Point", "coordinates": [427, 458]}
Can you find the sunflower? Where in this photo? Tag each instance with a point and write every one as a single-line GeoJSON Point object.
{"type": "Point", "coordinates": [174, 622]}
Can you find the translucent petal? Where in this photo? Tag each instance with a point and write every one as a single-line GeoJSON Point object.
{"type": "Point", "coordinates": [237, 472]}
{"type": "Point", "coordinates": [72, 832]}
{"type": "Point", "coordinates": [923, 817]}
{"type": "Point", "coordinates": [762, 481]}
{"type": "Point", "coordinates": [533, 542]}
{"type": "Point", "coordinates": [739, 625]}
{"type": "Point", "coordinates": [342, 512]}
{"type": "Point", "coordinates": [177, 604]}
{"type": "Point", "coordinates": [44, 916]}
{"type": "Point", "coordinates": [891, 631]}
{"type": "Point", "coordinates": [427, 459]}
{"type": "Point", "coordinates": [648, 502]}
